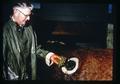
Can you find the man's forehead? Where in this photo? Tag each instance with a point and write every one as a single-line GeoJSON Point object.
{"type": "Point", "coordinates": [26, 10]}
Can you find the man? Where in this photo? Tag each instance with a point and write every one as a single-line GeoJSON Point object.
{"type": "Point", "coordinates": [20, 48]}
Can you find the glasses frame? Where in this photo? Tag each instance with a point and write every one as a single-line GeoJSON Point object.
{"type": "Point", "coordinates": [24, 14]}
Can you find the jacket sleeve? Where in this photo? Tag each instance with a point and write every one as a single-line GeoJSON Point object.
{"type": "Point", "coordinates": [8, 48]}
{"type": "Point", "coordinates": [42, 53]}
{"type": "Point", "coordinates": [38, 50]}
{"type": "Point", "coordinates": [4, 56]}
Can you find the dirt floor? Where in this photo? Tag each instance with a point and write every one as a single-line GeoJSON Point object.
{"type": "Point", "coordinates": [94, 64]}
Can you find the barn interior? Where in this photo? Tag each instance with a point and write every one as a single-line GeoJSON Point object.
{"type": "Point", "coordinates": [83, 30]}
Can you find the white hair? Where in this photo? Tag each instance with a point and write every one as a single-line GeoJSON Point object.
{"type": "Point", "coordinates": [22, 6]}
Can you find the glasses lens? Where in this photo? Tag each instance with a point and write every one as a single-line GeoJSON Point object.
{"type": "Point", "coordinates": [25, 14]}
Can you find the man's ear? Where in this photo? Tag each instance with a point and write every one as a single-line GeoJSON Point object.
{"type": "Point", "coordinates": [15, 11]}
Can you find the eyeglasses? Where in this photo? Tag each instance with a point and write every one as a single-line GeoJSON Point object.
{"type": "Point", "coordinates": [24, 14]}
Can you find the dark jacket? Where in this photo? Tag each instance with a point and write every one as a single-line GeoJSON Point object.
{"type": "Point", "coordinates": [20, 51]}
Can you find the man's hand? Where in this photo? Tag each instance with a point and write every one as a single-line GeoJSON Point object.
{"type": "Point", "coordinates": [55, 58]}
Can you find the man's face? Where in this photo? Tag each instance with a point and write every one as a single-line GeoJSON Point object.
{"type": "Point", "coordinates": [23, 16]}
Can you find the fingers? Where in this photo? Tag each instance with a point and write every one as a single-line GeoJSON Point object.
{"type": "Point", "coordinates": [56, 59]}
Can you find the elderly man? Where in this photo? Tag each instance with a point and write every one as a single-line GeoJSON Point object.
{"type": "Point", "coordinates": [20, 48]}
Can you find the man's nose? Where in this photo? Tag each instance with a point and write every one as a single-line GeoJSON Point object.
{"type": "Point", "coordinates": [28, 18]}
